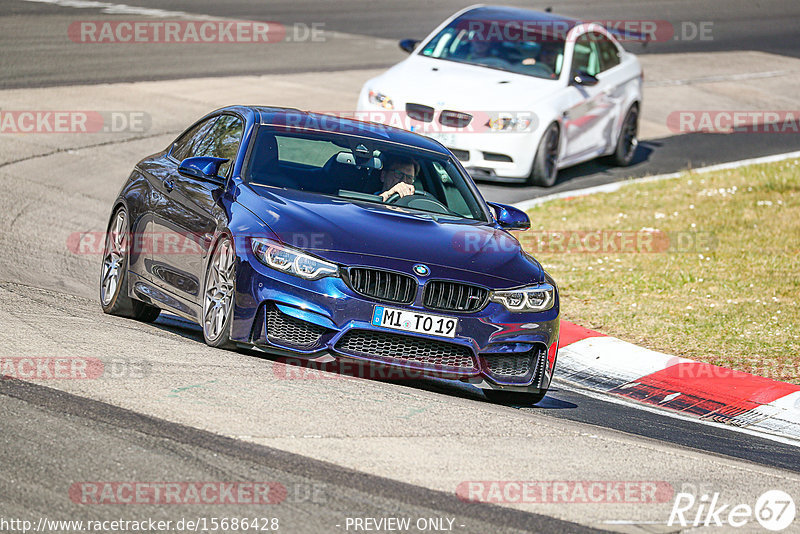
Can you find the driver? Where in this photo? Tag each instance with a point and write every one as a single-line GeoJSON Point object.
{"type": "Point", "coordinates": [548, 56]}
{"type": "Point", "coordinates": [398, 176]}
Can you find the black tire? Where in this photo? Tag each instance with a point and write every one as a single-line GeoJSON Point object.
{"type": "Point", "coordinates": [116, 301]}
{"type": "Point", "coordinates": [215, 334]}
{"type": "Point", "coordinates": [545, 164]}
{"type": "Point", "coordinates": [628, 139]}
{"type": "Point", "coordinates": [514, 398]}
{"type": "Point", "coordinates": [146, 312]}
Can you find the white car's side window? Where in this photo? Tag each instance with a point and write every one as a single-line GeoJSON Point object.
{"type": "Point", "coordinates": [585, 57]}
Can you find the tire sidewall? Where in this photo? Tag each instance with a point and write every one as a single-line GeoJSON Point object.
{"type": "Point", "coordinates": [223, 341]}
{"type": "Point", "coordinates": [620, 156]}
{"type": "Point", "coordinates": [537, 169]}
{"type": "Point", "coordinates": [116, 304]}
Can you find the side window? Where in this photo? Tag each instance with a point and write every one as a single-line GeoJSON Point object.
{"type": "Point", "coordinates": [222, 141]}
{"type": "Point", "coordinates": [609, 53]}
{"type": "Point", "coordinates": [584, 56]}
{"type": "Point", "coordinates": [186, 145]}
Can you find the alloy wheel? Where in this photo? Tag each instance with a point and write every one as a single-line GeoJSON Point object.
{"type": "Point", "coordinates": [218, 291]}
{"type": "Point", "coordinates": [116, 250]}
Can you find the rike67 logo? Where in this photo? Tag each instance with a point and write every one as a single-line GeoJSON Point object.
{"type": "Point", "coordinates": [774, 510]}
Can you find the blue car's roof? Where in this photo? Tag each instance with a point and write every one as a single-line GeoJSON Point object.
{"type": "Point", "coordinates": [499, 13]}
{"type": "Point", "coordinates": [330, 123]}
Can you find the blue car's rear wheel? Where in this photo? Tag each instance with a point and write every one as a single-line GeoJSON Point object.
{"type": "Point", "coordinates": [114, 274]}
{"type": "Point", "coordinates": [218, 295]}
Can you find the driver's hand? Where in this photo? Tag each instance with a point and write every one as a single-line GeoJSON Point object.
{"type": "Point", "coordinates": [403, 189]}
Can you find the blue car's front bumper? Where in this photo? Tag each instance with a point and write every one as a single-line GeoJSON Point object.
{"type": "Point", "coordinates": [492, 348]}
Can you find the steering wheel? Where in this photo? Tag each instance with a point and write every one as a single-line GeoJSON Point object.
{"type": "Point", "coordinates": [421, 200]}
{"type": "Point", "coordinates": [395, 196]}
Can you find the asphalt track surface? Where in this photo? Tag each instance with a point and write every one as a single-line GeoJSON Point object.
{"type": "Point", "coordinates": [36, 50]}
{"type": "Point", "coordinates": [52, 438]}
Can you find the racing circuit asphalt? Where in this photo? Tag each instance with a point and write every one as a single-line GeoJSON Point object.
{"type": "Point", "coordinates": [377, 448]}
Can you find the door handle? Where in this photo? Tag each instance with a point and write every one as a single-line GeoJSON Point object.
{"type": "Point", "coordinates": [169, 184]}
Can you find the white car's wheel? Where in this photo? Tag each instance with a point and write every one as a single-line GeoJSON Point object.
{"type": "Point", "coordinates": [545, 164]}
{"type": "Point", "coordinates": [628, 138]}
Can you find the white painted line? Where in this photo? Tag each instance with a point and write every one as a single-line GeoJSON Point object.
{"type": "Point", "coordinates": [615, 186]}
{"type": "Point", "coordinates": [675, 415]}
{"type": "Point", "coordinates": [124, 9]}
{"type": "Point", "coordinates": [720, 78]}
{"type": "Point", "coordinates": [118, 9]}
{"type": "Point", "coordinates": [608, 354]}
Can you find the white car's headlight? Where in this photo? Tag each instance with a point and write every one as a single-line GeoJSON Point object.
{"type": "Point", "coordinates": [380, 99]}
{"type": "Point", "coordinates": [508, 122]}
{"type": "Point", "coordinates": [292, 261]}
{"type": "Point", "coordinates": [526, 299]}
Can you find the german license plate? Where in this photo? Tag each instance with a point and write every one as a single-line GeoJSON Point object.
{"type": "Point", "coordinates": [411, 321]}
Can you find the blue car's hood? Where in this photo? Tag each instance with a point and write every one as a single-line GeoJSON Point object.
{"type": "Point", "coordinates": [361, 233]}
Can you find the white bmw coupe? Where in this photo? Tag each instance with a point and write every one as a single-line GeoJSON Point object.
{"type": "Point", "coordinates": [515, 94]}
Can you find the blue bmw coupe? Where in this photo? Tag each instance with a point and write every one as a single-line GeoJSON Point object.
{"type": "Point", "coordinates": [333, 239]}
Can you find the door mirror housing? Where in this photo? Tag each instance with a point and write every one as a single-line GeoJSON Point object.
{"type": "Point", "coordinates": [203, 168]}
{"type": "Point", "coordinates": [408, 45]}
{"type": "Point", "coordinates": [509, 217]}
{"type": "Point", "coordinates": [582, 78]}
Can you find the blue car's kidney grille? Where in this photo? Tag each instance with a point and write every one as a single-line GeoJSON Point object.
{"type": "Point", "coordinates": [383, 285]}
{"type": "Point", "coordinates": [454, 296]}
{"type": "Point", "coordinates": [287, 330]}
{"type": "Point", "coordinates": [388, 346]}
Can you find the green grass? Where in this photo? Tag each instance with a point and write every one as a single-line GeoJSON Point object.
{"type": "Point", "coordinates": [733, 300]}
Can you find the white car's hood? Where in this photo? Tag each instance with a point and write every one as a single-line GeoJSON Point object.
{"type": "Point", "coordinates": [461, 87]}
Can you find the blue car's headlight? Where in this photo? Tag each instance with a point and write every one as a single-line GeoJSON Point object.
{"type": "Point", "coordinates": [291, 260]}
{"type": "Point", "coordinates": [526, 299]}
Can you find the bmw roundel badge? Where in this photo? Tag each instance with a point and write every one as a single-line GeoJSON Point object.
{"type": "Point", "coordinates": [421, 269]}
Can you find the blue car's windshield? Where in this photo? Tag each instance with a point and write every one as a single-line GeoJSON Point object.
{"type": "Point", "coordinates": [528, 48]}
{"type": "Point", "coordinates": [359, 169]}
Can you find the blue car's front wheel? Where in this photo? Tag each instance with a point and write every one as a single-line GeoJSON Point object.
{"type": "Point", "coordinates": [218, 295]}
{"type": "Point", "coordinates": [514, 398]}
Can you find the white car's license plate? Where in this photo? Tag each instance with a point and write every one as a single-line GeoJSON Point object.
{"type": "Point", "coordinates": [411, 321]}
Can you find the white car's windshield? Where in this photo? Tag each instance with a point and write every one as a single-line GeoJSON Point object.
{"type": "Point", "coordinates": [493, 44]}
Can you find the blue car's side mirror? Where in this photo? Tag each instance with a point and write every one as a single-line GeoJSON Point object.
{"type": "Point", "coordinates": [509, 217]}
{"type": "Point", "coordinates": [408, 45]}
{"type": "Point", "coordinates": [203, 168]}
